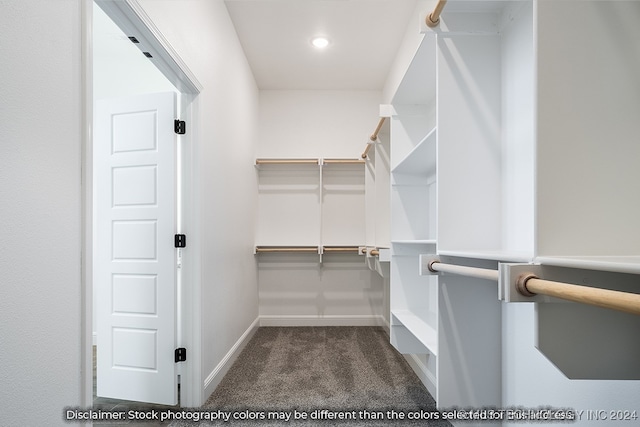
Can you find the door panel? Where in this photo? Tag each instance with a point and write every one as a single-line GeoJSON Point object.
{"type": "Point", "coordinates": [135, 268]}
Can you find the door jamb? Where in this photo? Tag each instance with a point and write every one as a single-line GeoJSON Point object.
{"type": "Point", "coordinates": [129, 14]}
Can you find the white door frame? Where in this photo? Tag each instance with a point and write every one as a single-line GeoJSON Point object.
{"type": "Point", "coordinates": [132, 18]}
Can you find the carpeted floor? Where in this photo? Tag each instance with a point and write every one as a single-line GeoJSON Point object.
{"type": "Point", "coordinates": [320, 375]}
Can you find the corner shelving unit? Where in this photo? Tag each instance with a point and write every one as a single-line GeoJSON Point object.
{"type": "Point", "coordinates": [493, 161]}
{"type": "Point", "coordinates": [413, 299]}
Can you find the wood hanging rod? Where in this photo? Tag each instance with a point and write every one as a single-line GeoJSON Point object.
{"type": "Point", "coordinates": [286, 161]}
{"type": "Point", "coordinates": [433, 19]}
{"type": "Point", "coordinates": [374, 252]}
{"type": "Point", "coordinates": [343, 162]}
{"type": "Point", "coordinates": [340, 249]}
{"type": "Point", "coordinates": [365, 153]}
{"type": "Point", "coordinates": [480, 273]}
{"type": "Point", "coordinates": [530, 285]}
{"type": "Point", "coordinates": [373, 137]}
{"type": "Point", "coordinates": [307, 249]}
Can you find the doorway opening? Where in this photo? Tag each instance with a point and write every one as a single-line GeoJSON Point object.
{"type": "Point", "coordinates": [131, 59]}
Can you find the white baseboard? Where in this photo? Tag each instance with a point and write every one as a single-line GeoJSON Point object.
{"type": "Point", "coordinates": [314, 320]}
{"type": "Point", "coordinates": [214, 378]}
{"type": "Point", "coordinates": [422, 372]}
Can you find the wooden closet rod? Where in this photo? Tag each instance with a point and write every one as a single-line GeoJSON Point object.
{"type": "Point", "coordinates": [343, 161]}
{"type": "Point", "coordinates": [309, 249]}
{"type": "Point", "coordinates": [480, 273]}
{"type": "Point", "coordinates": [530, 285]}
{"type": "Point", "coordinates": [340, 249]}
{"type": "Point", "coordinates": [286, 161]}
{"type": "Point", "coordinates": [433, 19]}
{"type": "Point", "coordinates": [366, 151]}
{"type": "Point", "coordinates": [373, 137]}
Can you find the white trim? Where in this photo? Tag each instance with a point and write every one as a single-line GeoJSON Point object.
{"type": "Point", "coordinates": [170, 55]}
{"type": "Point", "coordinates": [86, 364]}
{"type": "Point", "coordinates": [130, 14]}
{"type": "Point", "coordinates": [125, 13]}
{"type": "Point", "coordinates": [386, 325]}
{"type": "Point", "coordinates": [317, 320]}
{"type": "Point", "coordinates": [422, 372]}
{"type": "Point", "coordinates": [214, 378]}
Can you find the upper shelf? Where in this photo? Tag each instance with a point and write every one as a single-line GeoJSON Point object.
{"type": "Point", "coordinates": [309, 161]}
{"type": "Point", "coordinates": [421, 160]}
{"type": "Point", "coordinates": [616, 264]}
{"type": "Point", "coordinates": [493, 255]}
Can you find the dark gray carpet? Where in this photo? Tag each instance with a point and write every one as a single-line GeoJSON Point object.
{"type": "Point", "coordinates": [343, 371]}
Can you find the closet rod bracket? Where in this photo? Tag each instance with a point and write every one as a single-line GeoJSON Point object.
{"type": "Point", "coordinates": [521, 284]}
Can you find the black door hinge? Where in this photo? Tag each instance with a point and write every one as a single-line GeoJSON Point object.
{"type": "Point", "coordinates": [181, 354]}
{"type": "Point", "coordinates": [180, 126]}
{"type": "Point", "coordinates": [180, 241]}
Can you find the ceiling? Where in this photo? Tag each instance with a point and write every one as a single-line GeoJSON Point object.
{"type": "Point", "coordinates": [364, 38]}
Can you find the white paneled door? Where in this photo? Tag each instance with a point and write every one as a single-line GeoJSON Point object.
{"type": "Point", "coordinates": [135, 259]}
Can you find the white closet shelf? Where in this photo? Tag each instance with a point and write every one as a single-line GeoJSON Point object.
{"type": "Point", "coordinates": [308, 161]}
{"type": "Point", "coordinates": [414, 242]}
{"type": "Point", "coordinates": [333, 249]}
{"type": "Point", "coordinates": [421, 160]}
{"type": "Point", "coordinates": [343, 162]}
{"type": "Point", "coordinates": [615, 264]}
{"type": "Point", "coordinates": [341, 249]}
{"type": "Point", "coordinates": [264, 161]}
{"type": "Point", "coordinates": [420, 329]}
{"type": "Point", "coordinates": [302, 249]}
{"type": "Point", "coordinates": [497, 255]}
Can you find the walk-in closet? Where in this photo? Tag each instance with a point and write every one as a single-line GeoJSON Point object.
{"type": "Point", "coordinates": [424, 207]}
{"type": "Point", "coordinates": [496, 188]}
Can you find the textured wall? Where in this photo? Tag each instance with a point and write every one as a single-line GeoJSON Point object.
{"type": "Point", "coordinates": [40, 210]}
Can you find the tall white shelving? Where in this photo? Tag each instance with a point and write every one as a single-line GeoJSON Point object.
{"type": "Point", "coordinates": [413, 186]}
{"type": "Point", "coordinates": [486, 132]}
{"type": "Point", "coordinates": [499, 156]}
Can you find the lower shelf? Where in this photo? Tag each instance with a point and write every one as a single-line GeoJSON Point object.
{"type": "Point", "coordinates": [306, 249]}
{"type": "Point", "coordinates": [309, 249]}
{"type": "Point", "coordinates": [421, 331]}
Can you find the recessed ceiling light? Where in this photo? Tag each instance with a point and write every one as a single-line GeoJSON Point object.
{"type": "Point", "coordinates": [320, 42]}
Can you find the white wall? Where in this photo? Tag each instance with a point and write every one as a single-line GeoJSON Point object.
{"type": "Point", "coordinates": [40, 189]}
{"type": "Point", "coordinates": [316, 123]}
{"type": "Point", "coordinates": [298, 289]}
{"type": "Point", "coordinates": [406, 51]}
{"type": "Point", "coordinates": [223, 228]}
